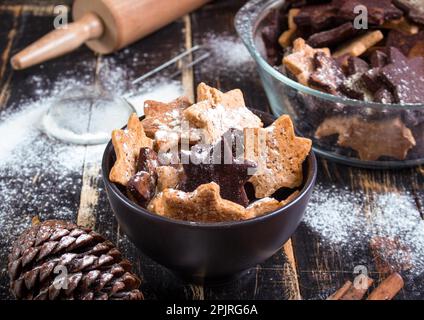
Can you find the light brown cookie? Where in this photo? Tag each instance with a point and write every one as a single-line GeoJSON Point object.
{"type": "Point", "coordinates": [285, 40]}
{"type": "Point", "coordinates": [166, 124]}
{"type": "Point", "coordinates": [360, 44]}
{"type": "Point", "coordinates": [267, 205]}
{"type": "Point", "coordinates": [163, 116]}
{"type": "Point", "coordinates": [402, 25]}
{"type": "Point", "coordinates": [203, 205]}
{"type": "Point", "coordinates": [301, 61]}
{"type": "Point", "coordinates": [262, 206]}
{"type": "Point", "coordinates": [290, 198]}
{"type": "Point", "coordinates": [217, 112]}
{"type": "Point", "coordinates": [168, 177]}
{"type": "Point", "coordinates": [373, 139]}
{"type": "Point", "coordinates": [230, 99]}
{"type": "Point", "coordinates": [279, 154]}
{"type": "Point", "coordinates": [127, 144]}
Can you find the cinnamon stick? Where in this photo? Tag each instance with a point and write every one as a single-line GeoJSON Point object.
{"type": "Point", "coordinates": [341, 292]}
{"type": "Point", "coordinates": [388, 288]}
{"type": "Point", "coordinates": [357, 292]}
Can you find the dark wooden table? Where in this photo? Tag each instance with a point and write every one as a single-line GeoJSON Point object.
{"type": "Point", "coordinates": [303, 269]}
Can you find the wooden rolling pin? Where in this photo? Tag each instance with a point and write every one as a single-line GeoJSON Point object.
{"type": "Point", "coordinates": [105, 26]}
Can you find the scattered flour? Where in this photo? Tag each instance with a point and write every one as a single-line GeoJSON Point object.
{"type": "Point", "coordinates": [40, 175]}
{"type": "Point", "coordinates": [343, 219]}
{"type": "Point", "coordinates": [229, 57]}
{"type": "Point", "coordinates": [228, 50]}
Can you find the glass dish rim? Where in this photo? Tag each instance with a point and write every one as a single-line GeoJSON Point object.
{"type": "Point", "coordinates": [252, 13]}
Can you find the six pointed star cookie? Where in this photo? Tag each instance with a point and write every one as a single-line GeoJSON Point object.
{"type": "Point", "coordinates": [365, 137]}
{"type": "Point", "coordinates": [203, 204]}
{"type": "Point", "coordinates": [405, 77]}
{"type": "Point", "coordinates": [279, 155]}
{"type": "Point", "coordinates": [217, 112]}
{"type": "Point", "coordinates": [301, 62]}
{"type": "Point", "coordinates": [166, 124]}
{"type": "Point", "coordinates": [127, 144]}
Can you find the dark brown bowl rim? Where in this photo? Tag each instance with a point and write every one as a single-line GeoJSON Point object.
{"type": "Point", "coordinates": [308, 185]}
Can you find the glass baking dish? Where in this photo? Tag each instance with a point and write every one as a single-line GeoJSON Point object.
{"type": "Point", "coordinates": [354, 132]}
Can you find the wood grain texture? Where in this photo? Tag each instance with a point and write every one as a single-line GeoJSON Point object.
{"type": "Point", "coordinates": [304, 268]}
{"type": "Point", "coordinates": [33, 9]}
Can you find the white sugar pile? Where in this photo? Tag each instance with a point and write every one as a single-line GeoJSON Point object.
{"type": "Point", "coordinates": [343, 219]}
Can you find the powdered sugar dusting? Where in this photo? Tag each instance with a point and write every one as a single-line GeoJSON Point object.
{"type": "Point", "coordinates": [230, 50]}
{"type": "Point", "coordinates": [228, 55]}
{"type": "Point", "coordinates": [222, 119]}
{"type": "Point", "coordinates": [342, 218]}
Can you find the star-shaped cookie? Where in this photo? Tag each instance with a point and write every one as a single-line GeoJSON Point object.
{"type": "Point", "coordinates": [366, 137]}
{"type": "Point", "coordinates": [405, 77]}
{"type": "Point", "coordinates": [266, 205]}
{"type": "Point", "coordinates": [203, 204]}
{"type": "Point", "coordinates": [166, 124]}
{"type": "Point", "coordinates": [127, 144]}
{"type": "Point", "coordinates": [217, 112]}
{"type": "Point", "coordinates": [301, 61]}
{"type": "Point", "coordinates": [279, 155]}
{"type": "Point", "coordinates": [328, 76]}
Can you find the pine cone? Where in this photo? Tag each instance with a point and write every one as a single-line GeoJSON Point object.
{"type": "Point", "coordinates": [94, 266]}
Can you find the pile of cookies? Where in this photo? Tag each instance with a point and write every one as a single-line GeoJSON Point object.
{"type": "Point", "coordinates": [326, 45]}
{"type": "Point", "coordinates": [193, 161]}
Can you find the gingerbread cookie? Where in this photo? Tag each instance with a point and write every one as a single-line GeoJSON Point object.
{"type": "Point", "coordinates": [217, 112]}
{"type": "Point", "coordinates": [163, 116]}
{"type": "Point", "coordinates": [210, 186]}
{"type": "Point", "coordinates": [301, 61]}
{"type": "Point", "coordinates": [333, 36]}
{"type": "Point", "coordinates": [359, 45]}
{"type": "Point", "coordinates": [286, 37]}
{"type": "Point", "coordinates": [366, 137]}
{"type": "Point", "coordinates": [279, 155]}
{"type": "Point", "coordinates": [168, 178]}
{"type": "Point", "coordinates": [166, 124]}
{"type": "Point", "coordinates": [266, 205]}
{"type": "Point", "coordinates": [203, 205]}
{"type": "Point", "coordinates": [402, 25]}
{"type": "Point", "coordinates": [317, 17]}
{"type": "Point", "coordinates": [405, 77]}
{"type": "Point", "coordinates": [127, 144]}
{"type": "Point", "coordinates": [327, 76]}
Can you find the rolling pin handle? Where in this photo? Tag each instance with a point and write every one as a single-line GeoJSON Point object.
{"type": "Point", "coordinates": [59, 42]}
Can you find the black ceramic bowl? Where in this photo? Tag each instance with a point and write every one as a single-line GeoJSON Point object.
{"type": "Point", "coordinates": [208, 250]}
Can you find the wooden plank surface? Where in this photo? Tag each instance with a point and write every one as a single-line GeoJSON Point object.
{"type": "Point", "coordinates": [304, 268]}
